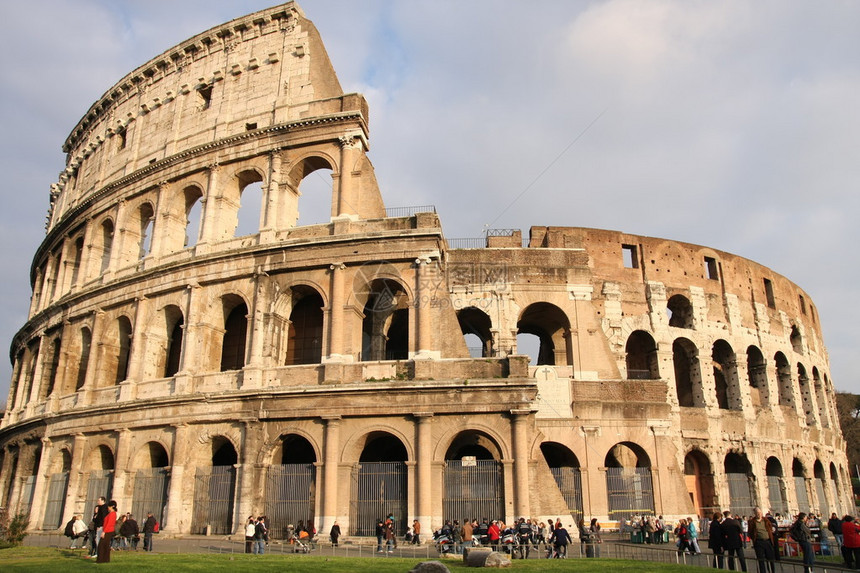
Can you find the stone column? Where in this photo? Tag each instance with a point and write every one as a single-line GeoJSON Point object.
{"type": "Point", "coordinates": [330, 473]}
{"type": "Point", "coordinates": [128, 387]}
{"type": "Point", "coordinates": [121, 470]}
{"type": "Point", "coordinates": [424, 470]}
{"type": "Point", "coordinates": [75, 474]}
{"type": "Point", "coordinates": [117, 249]}
{"type": "Point", "coordinates": [272, 198]}
{"type": "Point", "coordinates": [520, 432]}
{"type": "Point", "coordinates": [423, 294]}
{"type": "Point", "coordinates": [160, 224]}
{"type": "Point", "coordinates": [179, 506]}
{"type": "Point", "coordinates": [5, 476]}
{"type": "Point", "coordinates": [335, 314]}
{"type": "Point", "coordinates": [40, 493]}
{"type": "Point", "coordinates": [209, 217]}
{"type": "Point", "coordinates": [250, 498]}
{"type": "Point", "coordinates": [347, 200]}
{"type": "Point", "coordinates": [93, 359]}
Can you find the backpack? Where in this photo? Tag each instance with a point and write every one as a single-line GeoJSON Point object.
{"type": "Point", "coordinates": [156, 527]}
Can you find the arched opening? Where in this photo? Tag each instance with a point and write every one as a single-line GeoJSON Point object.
{"type": "Point", "coordinates": [795, 339]}
{"type": "Point", "coordinates": [783, 376]}
{"type": "Point", "coordinates": [566, 471]}
{"type": "Point", "coordinates": [699, 478]}
{"type": "Point", "coordinates": [27, 371]}
{"type": "Point", "coordinates": [379, 484]}
{"type": "Point", "coordinates": [805, 395]}
{"type": "Point", "coordinates": [476, 327]}
{"type": "Point", "coordinates": [100, 465]}
{"type": "Point", "coordinates": [820, 398]}
{"type": "Point", "coordinates": [550, 324]}
{"type": "Point", "coordinates": [726, 376]}
{"type": "Point", "coordinates": [106, 245]}
{"type": "Point", "coordinates": [820, 487]}
{"type": "Point", "coordinates": [58, 484]}
{"type": "Point", "coordinates": [52, 368]}
{"type": "Point", "coordinates": [151, 483]}
{"type": "Point", "coordinates": [291, 485]}
{"type": "Point", "coordinates": [235, 334]}
{"type": "Point", "coordinates": [86, 341]}
{"type": "Point", "coordinates": [629, 486]}
{"type": "Point", "coordinates": [304, 344]}
{"type": "Point", "coordinates": [680, 311]}
{"type": "Point", "coordinates": [688, 374]}
{"type": "Point", "coordinates": [215, 491]}
{"type": "Point", "coordinates": [250, 209]}
{"type": "Point", "coordinates": [776, 495]}
{"type": "Point", "coordinates": [802, 493]}
{"type": "Point", "coordinates": [193, 215]}
{"type": "Point", "coordinates": [740, 480]}
{"type": "Point", "coordinates": [641, 357]}
{"type": "Point", "coordinates": [472, 478]}
{"type": "Point", "coordinates": [147, 222]}
{"type": "Point", "coordinates": [123, 348]}
{"type": "Point", "coordinates": [385, 327]}
{"type": "Point", "coordinates": [834, 487]}
{"type": "Point", "coordinates": [29, 460]}
{"type": "Point", "coordinates": [77, 256]}
{"type": "Point", "coordinates": [175, 325]}
{"type": "Point", "coordinates": [315, 196]}
{"type": "Point", "coordinates": [757, 374]}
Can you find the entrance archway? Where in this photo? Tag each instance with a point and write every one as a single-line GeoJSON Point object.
{"type": "Point", "coordinates": [215, 491]}
{"type": "Point", "coordinates": [739, 477]}
{"type": "Point", "coordinates": [699, 477]}
{"type": "Point", "coordinates": [291, 485]}
{"type": "Point", "coordinates": [566, 471]}
{"type": "Point", "coordinates": [776, 486]}
{"type": "Point", "coordinates": [151, 483]}
{"type": "Point", "coordinates": [379, 485]}
{"type": "Point", "coordinates": [628, 481]}
{"type": "Point", "coordinates": [472, 478]}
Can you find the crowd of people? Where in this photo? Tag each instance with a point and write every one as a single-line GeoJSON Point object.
{"type": "Point", "coordinates": [106, 532]}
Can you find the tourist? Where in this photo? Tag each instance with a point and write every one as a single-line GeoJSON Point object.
{"type": "Point", "coordinates": [130, 532]}
{"type": "Point", "coordinates": [733, 543]}
{"type": "Point", "coordinates": [380, 535]}
{"type": "Point", "coordinates": [560, 539]}
{"type": "Point", "coordinates": [149, 527]}
{"type": "Point", "coordinates": [259, 536]}
{"type": "Point", "coordinates": [834, 524]}
{"type": "Point", "coordinates": [763, 541]}
{"type": "Point", "coordinates": [108, 531]}
{"type": "Point", "coordinates": [851, 542]}
{"type": "Point", "coordinates": [596, 538]}
{"type": "Point", "coordinates": [416, 532]}
{"type": "Point", "coordinates": [715, 540]}
{"type": "Point", "coordinates": [693, 534]}
{"type": "Point", "coordinates": [74, 530]}
{"type": "Point", "coordinates": [682, 534]}
{"type": "Point", "coordinates": [250, 530]}
{"type": "Point", "coordinates": [334, 534]}
{"type": "Point", "coordinates": [800, 532]}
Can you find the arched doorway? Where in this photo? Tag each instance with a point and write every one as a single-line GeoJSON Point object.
{"type": "Point", "coordinates": [550, 325]}
{"type": "Point", "coordinates": [740, 480]}
{"type": "Point", "coordinates": [215, 491]}
{"type": "Point", "coordinates": [820, 485]}
{"type": "Point", "coordinates": [304, 344]}
{"type": "Point", "coordinates": [699, 478]}
{"type": "Point", "coordinates": [566, 471]}
{"type": "Point", "coordinates": [799, 473]}
{"type": "Point", "coordinates": [776, 486]}
{"type": "Point", "coordinates": [472, 478]}
{"type": "Point", "coordinates": [291, 485]}
{"type": "Point", "coordinates": [629, 486]}
{"type": "Point", "coordinates": [476, 327]}
{"type": "Point", "coordinates": [385, 327]}
{"type": "Point", "coordinates": [688, 374]}
{"type": "Point", "coordinates": [379, 485]}
{"type": "Point", "coordinates": [151, 483]}
{"type": "Point", "coordinates": [58, 483]}
{"type": "Point", "coordinates": [100, 464]}
{"type": "Point", "coordinates": [641, 357]}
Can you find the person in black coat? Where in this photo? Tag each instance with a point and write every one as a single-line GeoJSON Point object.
{"type": "Point", "coordinates": [715, 541]}
{"type": "Point", "coordinates": [733, 541]}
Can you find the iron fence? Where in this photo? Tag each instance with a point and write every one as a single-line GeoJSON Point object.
{"type": "Point", "coordinates": [28, 488]}
{"type": "Point", "coordinates": [290, 496]}
{"type": "Point", "coordinates": [150, 494]}
{"type": "Point", "coordinates": [741, 497]}
{"type": "Point", "coordinates": [409, 211]}
{"type": "Point", "coordinates": [473, 489]}
{"type": "Point", "coordinates": [378, 488]}
{"type": "Point", "coordinates": [99, 484]}
{"type": "Point", "coordinates": [56, 500]}
{"type": "Point", "coordinates": [802, 495]}
{"type": "Point", "coordinates": [630, 492]}
{"type": "Point", "coordinates": [214, 494]}
{"type": "Point", "coordinates": [823, 506]}
{"type": "Point", "coordinates": [569, 481]}
{"type": "Point", "coordinates": [776, 495]}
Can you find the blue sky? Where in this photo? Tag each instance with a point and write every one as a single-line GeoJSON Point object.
{"type": "Point", "coordinates": [730, 124]}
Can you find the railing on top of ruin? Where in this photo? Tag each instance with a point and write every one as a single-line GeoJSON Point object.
{"type": "Point", "coordinates": [476, 242]}
{"type": "Point", "coordinates": [409, 211]}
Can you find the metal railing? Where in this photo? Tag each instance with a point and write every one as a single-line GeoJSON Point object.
{"type": "Point", "coordinates": [409, 211]}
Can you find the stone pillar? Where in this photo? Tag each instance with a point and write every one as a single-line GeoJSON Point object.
{"type": "Point", "coordinates": [93, 359]}
{"type": "Point", "coordinates": [40, 493]}
{"type": "Point", "coordinates": [330, 472]}
{"type": "Point", "coordinates": [160, 223]}
{"type": "Point", "coordinates": [36, 376]}
{"type": "Point", "coordinates": [75, 475]}
{"type": "Point", "coordinates": [347, 200]}
{"type": "Point", "coordinates": [335, 314]}
{"type": "Point", "coordinates": [209, 217]}
{"type": "Point", "coordinates": [423, 294]}
{"type": "Point", "coordinates": [122, 469]}
{"type": "Point", "coordinates": [117, 250]}
{"type": "Point", "coordinates": [179, 506]}
{"type": "Point", "coordinates": [520, 433]}
{"type": "Point", "coordinates": [250, 497]}
{"type": "Point", "coordinates": [128, 387]}
{"type": "Point", "coordinates": [272, 199]}
{"type": "Point", "coordinates": [424, 470]}
{"type": "Point", "coordinates": [5, 475]}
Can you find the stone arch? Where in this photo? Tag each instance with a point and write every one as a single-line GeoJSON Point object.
{"type": "Point", "coordinates": [472, 477]}
{"type": "Point", "coordinates": [688, 374]}
{"type": "Point", "coordinates": [385, 326]}
{"type": "Point", "coordinates": [641, 357]}
{"type": "Point", "coordinates": [27, 370]}
{"type": "Point", "coordinates": [116, 345]}
{"type": "Point", "coordinates": [290, 494]}
{"type": "Point", "coordinates": [805, 394]}
{"type": "Point", "coordinates": [757, 377]}
{"type": "Point", "coordinates": [164, 339]}
{"type": "Point", "coordinates": [299, 170]}
{"type": "Point", "coordinates": [137, 231]}
{"type": "Point", "coordinates": [151, 481]}
{"type": "Point", "coordinates": [680, 311]}
{"type": "Point", "coordinates": [477, 329]}
{"type": "Point", "coordinates": [567, 473]}
{"type": "Point", "coordinates": [726, 380]}
{"type": "Point", "coordinates": [798, 471]}
{"type": "Point", "coordinates": [51, 364]}
{"type": "Point", "coordinates": [551, 326]}
{"type": "Point", "coordinates": [180, 219]}
{"type": "Point", "coordinates": [215, 487]}
{"type": "Point", "coordinates": [74, 256]}
{"type": "Point", "coordinates": [152, 454]}
{"type": "Point", "coordinates": [104, 243]}
{"type": "Point", "coordinates": [352, 450]}
{"type": "Point", "coordinates": [796, 339]}
{"type": "Point", "coordinates": [783, 376]}
{"type": "Point", "coordinates": [294, 448]}
{"type": "Point", "coordinates": [61, 461]}
{"type": "Point", "coordinates": [99, 457]}
{"type": "Point", "coordinates": [699, 478]}
{"type": "Point", "coordinates": [820, 398]}
{"type": "Point", "coordinates": [234, 341]}
{"type": "Point", "coordinates": [629, 486]}
{"type": "Point", "coordinates": [305, 327]}
{"type": "Point", "coordinates": [380, 479]}
{"type": "Point", "coordinates": [777, 498]}
{"type": "Point", "coordinates": [250, 200]}
{"type": "Point", "coordinates": [740, 480]}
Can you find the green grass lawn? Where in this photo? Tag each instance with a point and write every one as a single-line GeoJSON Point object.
{"type": "Point", "coordinates": [61, 560]}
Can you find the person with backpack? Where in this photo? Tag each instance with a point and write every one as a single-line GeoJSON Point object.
{"type": "Point", "coordinates": [682, 535]}
{"type": "Point", "coordinates": [800, 532]}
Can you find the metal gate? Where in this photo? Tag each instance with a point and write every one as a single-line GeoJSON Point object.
{"type": "Point", "coordinates": [630, 492]}
{"type": "Point", "coordinates": [100, 484]}
{"type": "Point", "coordinates": [776, 495]}
{"type": "Point", "coordinates": [56, 501]}
{"type": "Point", "coordinates": [473, 489]}
{"type": "Point", "coordinates": [378, 488]}
{"type": "Point", "coordinates": [823, 506]}
{"type": "Point", "coordinates": [569, 481]}
{"type": "Point", "coordinates": [741, 498]}
{"type": "Point", "coordinates": [290, 496]}
{"type": "Point", "coordinates": [150, 494]}
{"type": "Point", "coordinates": [28, 487]}
{"type": "Point", "coordinates": [802, 495]}
{"type": "Point", "coordinates": [214, 495]}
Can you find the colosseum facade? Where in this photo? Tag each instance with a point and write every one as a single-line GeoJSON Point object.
{"type": "Point", "coordinates": [368, 365]}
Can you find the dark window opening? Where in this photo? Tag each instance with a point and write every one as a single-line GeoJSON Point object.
{"type": "Point", "coordinates": [711, 268]}
{"type": "Point", "coordinates": [768, 291]}
{"type": "Point", "coordinates": [233, 348]}
{"type": "Point", "coordinates": [628, 252]}
{"type": "Point", "coordinates": [802, 302]}
{"type": "Point", "coordinates": [122, 139]}
{"type": "Point", "coordinates": [304, 344]}
{"type": "Point", "coordinates": [680, 311]}
{"type": "Point", "coordinates": [796, 339]}
{"type": "Point", "coordinates": [174, 349]}
{"type": "Point", "coordinates": [250, 126]}
{"type": "Point", "coordinates": [205, 95]}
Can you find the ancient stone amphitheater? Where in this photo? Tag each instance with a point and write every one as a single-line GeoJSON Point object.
{"type": "Point", "coordinates": [185, 365]}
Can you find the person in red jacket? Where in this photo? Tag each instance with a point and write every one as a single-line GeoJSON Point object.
{"type": "Point", "coordinates": [109, 528]}
{"type": "Point", "coordinates": [850, 542]}
{"type": "Point", "coordinates": [494, 534]}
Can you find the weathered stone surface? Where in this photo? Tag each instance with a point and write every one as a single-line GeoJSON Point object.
{"type": "Point", "coordinates": [476, 557]}
{"type": "Point", "coordinates": [496, 559]}
{"type": "Point", "coordinates": [430, 567]}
